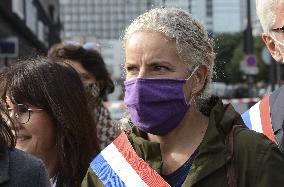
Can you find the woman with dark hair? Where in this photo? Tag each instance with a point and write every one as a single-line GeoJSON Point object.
{"type": "Point", "coordinates": [47, 102]}
{"type": "Point", "coordinates": [17, 167]}
{"type": "Point", "coordinates": [88, 62]}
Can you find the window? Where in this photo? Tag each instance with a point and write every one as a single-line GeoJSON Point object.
{"type": "Point", "coordinates": [209, 8]}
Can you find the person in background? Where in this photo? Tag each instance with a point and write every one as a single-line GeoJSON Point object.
{"type": "Point", "coordinates": [271, 16]}
{"type": "Point", "coordinates": [187, 136]}
{"type": "Point", "coordinates": [47, 103]}
{"type": "Point", "coordinates": [17, 167]}
{"type": "Point", "coordinates": [91, 67]}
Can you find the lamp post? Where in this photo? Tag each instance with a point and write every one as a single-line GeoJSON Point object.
{"type": "Point", "coordinates": [248, 47]}
{"type": "Point", "coordinates": [163, 3]}
{"type": "Point", "coordinates": [248, 32]}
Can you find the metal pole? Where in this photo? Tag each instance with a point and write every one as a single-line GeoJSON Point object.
{"type": "Point", "coordinates": [249, 48]}
{"type": "Point", "coordinates": [6, 61]}
{"type": "Point", "coordinates": [249, 38]}
{"type": "Point", "coordinates": [163, 3]}
{"type": "Point", "coordinates": [148, 4]}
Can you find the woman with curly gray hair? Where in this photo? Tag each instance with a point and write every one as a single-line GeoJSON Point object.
{"type": "Point", "coordinates": [169, 61]}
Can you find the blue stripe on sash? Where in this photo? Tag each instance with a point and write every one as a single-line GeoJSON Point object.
{"type": "Point", "coordinates": [246, 118]}
{"type": "Point", "coordinates": [106, 174]}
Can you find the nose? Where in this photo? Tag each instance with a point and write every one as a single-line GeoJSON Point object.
{"type": "Point", "coordinates": [142, 72]}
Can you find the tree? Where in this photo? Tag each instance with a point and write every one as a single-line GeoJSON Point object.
{"type": "Point", "coordinates": [229, 53]}
{"type": "Point", "coordinates": [225, 45]}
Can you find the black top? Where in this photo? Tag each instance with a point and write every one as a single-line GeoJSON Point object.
{"type": "Point", "coordinates": [177, 178]}
{"type": "Point", "coordinates": [276, 102]}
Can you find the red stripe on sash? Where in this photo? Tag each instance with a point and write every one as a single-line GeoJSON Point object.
{"type": "Point", "coordinates": [148, 175]}
{"type": "Point", "coordinates": [265, 118]}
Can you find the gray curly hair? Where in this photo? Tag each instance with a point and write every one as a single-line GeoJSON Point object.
{"type": "Point", "coordinates": [193, 45]}
{"type": "Point", "coordinates": [265, 10]}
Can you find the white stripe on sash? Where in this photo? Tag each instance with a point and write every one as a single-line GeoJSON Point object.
{"type": "Point", "coordinates": [255, 118]}
{"type": "Point", "coordinates": [121, 167]}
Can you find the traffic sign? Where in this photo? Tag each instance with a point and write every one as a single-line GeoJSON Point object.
{"type": "Point", "coordinates": [249, 65]}
{"type": "Point", "coordinates": [251, 60]}
{"type": "Point", "coordinates": [9, 47]}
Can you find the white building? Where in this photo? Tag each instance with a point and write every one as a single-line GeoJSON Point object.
{"type": "Point", "coordinates": [104, 21]}
{"type": "Point", "coordinates": [219, 16]}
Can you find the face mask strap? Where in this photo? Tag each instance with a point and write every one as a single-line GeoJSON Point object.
{"type": "Point", "coordinates": [194, 70]}
{"type": "Point", "coordinates": [192, 73]}
{"type": "Point", "coordinates": [190, 101]}
{"type": "Point", "coordinates": [274, 38]}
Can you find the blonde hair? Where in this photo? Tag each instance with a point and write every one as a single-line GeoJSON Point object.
{"type": "Point", "coordinates": [265, 10]}
{"type": "Point", "coordinates": [192, 41]}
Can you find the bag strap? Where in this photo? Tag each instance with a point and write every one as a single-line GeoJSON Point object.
{"type": "Point", "coordinates": [230, 167]}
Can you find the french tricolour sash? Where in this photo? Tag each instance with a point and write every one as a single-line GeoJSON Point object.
{"type": "Point", "coordinates": [258, 118]}
{"type": "Point", "coordinates": [119, 165]}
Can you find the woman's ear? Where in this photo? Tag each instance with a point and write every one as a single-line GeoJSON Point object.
{"type": "Point", "coordinates": [200, 79]}
{"type": "Point", "coordinates": [197, 82]}
{"type": "Point", "coordinates": [272, 46]}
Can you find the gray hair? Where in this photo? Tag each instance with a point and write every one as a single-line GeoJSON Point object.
{"type": "Point", "coordinates": [193, 45]}
{"type": "Point", "coordinates": [265, 10]}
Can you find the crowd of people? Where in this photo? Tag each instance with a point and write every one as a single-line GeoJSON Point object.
{"type": "Point", "coordinates": [54, 124]}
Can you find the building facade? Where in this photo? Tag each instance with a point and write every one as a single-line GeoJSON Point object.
{"type": "Point", "coordinates": [219, 16]}
{"type": "Point", "coordinates": [27, 28]}
{"type": "Point", "coordinates": [103, 19]}
{"type": "Point", "coordinates": [103, 22]}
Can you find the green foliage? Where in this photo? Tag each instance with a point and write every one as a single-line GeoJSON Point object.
{"type": "Point", "coordinates": [225, 45]}
{"type": "Point", "coordinates": [229, 53]}
{"type": "Point", "coordinates": [233, 67]}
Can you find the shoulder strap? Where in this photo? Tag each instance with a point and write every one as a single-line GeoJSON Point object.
{"type": "Point", "coordinates": [231, 170]}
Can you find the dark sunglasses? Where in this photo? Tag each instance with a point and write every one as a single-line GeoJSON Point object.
{"type": "Point", "coordinates": [278, 29]}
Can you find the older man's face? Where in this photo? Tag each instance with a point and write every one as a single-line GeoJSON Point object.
{"type": "Point", "coordinates": [275, 39]}
{"type": "Point", "coordinates": [279, 22]}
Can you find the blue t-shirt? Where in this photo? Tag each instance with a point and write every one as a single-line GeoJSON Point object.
{"type": "Point", "coordinates": [177, 178]}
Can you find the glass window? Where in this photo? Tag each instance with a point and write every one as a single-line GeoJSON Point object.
{"type": "Point", "coordinates": [75, 17]}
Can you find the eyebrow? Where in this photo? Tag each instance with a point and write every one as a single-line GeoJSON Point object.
{"type": "Point", "coordinates": [129, 63]}
{"type": "Point", "coordinates": [154, 63]}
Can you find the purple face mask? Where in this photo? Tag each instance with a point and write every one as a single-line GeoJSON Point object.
{"type": "Point", "coordinates": [156, 105]}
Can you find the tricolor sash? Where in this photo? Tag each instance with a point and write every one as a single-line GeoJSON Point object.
{"type": "Point", "coordinates": [258, 118]}
{"type": "Point", "coordinates": [119, 165]}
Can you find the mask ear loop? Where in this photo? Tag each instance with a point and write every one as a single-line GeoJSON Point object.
{"type": "Point", "coordinates": [192, 73]}
{"type": "Point", "coordinates": [194, 70]}
{"type": "Point", "coordinates": [274, 38]}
